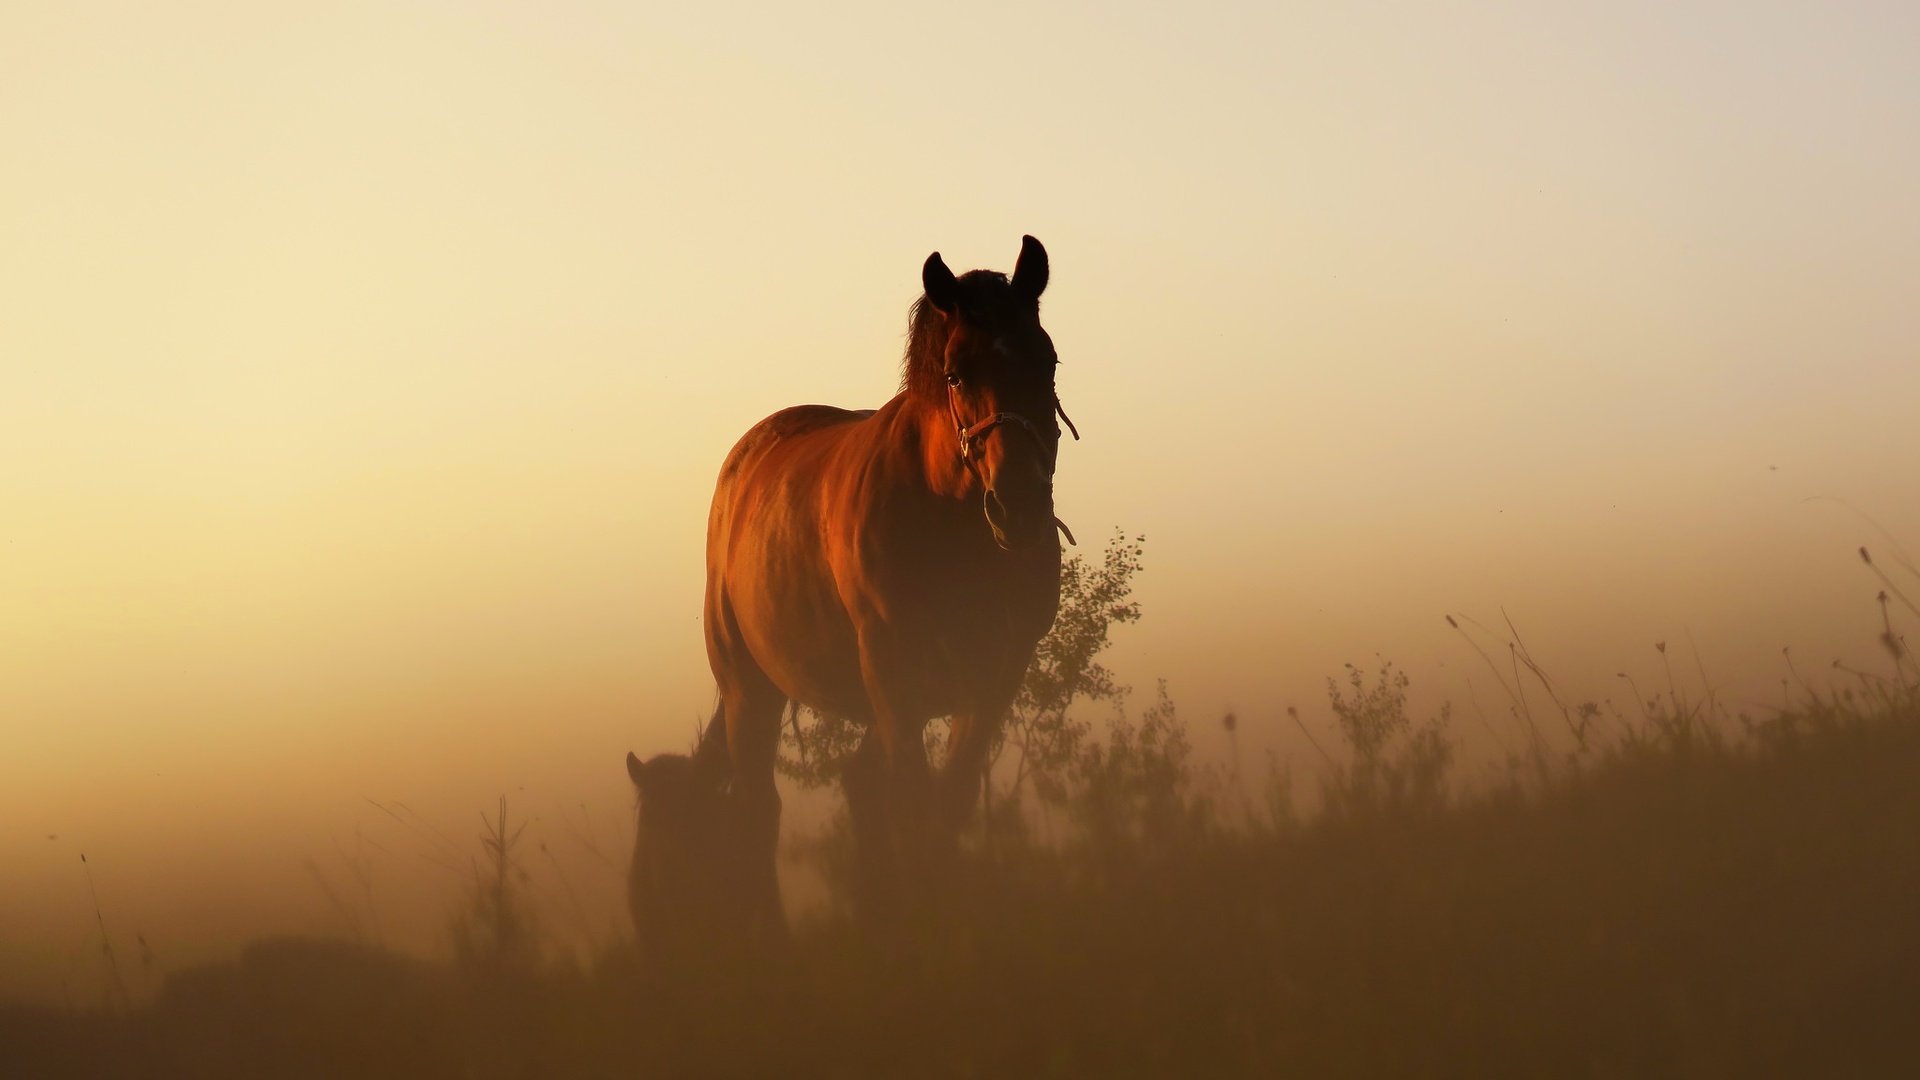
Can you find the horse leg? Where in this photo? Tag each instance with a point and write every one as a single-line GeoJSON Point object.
{"type": "Point", "coordinates": [710, 751]}
{"type": "Point", "coordinates": [864, 780]}
{"type": "Point", "coordinates": [753, 706]}
{"type": "Point", "coordinates": [907, 788]}
{"type": "Point", "coordinates": [969, 742]}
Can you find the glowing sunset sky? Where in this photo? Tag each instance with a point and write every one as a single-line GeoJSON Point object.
{"type": "Point", "coordinates": [365, 367]}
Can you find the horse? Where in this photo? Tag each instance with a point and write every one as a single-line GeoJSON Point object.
{"type": "Point", "coordinates": [890, 566]}
{"type": "Point", "coordinates": [688, 881]}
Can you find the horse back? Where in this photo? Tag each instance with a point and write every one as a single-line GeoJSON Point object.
{"type": "Point", "coordinates": [780, 428]}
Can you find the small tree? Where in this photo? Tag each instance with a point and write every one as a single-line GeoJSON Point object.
{"type": "Point", "coordinates": [812, 757]}
{"type": "Point", "coordinates": [1396, 764]}
{"type": "Point", "coordinates": [1137, 786]}
{"type": "Point", "coordinates": [1066, 668]}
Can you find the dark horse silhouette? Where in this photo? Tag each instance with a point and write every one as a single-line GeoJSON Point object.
{"type": "Point", "coordinates": [890, 566]}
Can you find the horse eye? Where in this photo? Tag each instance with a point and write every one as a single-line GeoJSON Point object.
{"type": "Point", "coordinates": [953, 378]}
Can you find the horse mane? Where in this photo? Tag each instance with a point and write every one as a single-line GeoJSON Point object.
{"type": "Point", "coordinates": [923, 370]}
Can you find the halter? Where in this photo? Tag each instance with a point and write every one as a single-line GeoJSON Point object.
{"type": "Point", "coordinates": [970, 436]}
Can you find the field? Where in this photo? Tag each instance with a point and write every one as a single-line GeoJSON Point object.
{"type": "Point", "coordinates": [419, 421]}
{"type": "Point", "coordinates": [1688, 894]}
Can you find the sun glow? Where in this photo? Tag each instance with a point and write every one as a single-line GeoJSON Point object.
{"type": "Point", "coordinates": [365, 370]}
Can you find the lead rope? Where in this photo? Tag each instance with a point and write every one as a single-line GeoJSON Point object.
{"type": "Point", "coordinates": [1062, 410]}
{"type": "Point", "coordinates": [1057, 523]}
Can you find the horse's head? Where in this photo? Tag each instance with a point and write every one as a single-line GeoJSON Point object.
{"type": "Point", "coordinates": [979, 355]}
{"type": "Point", "coordinates": [686, 865]}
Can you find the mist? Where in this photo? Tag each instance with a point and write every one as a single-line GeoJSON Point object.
{"type": "Point", "coordinates": [367, 371]}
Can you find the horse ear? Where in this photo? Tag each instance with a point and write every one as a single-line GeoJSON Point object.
{"type": "Point", "coordinates": [942, 289]}
{"type": "Point", "coordinates": [1030, 273]}
{"type": "Point", "coordinates": [636, 769]}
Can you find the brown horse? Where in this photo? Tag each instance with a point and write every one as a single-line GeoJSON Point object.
{"type": "Point", "coordinates": [891, 566]}
{"type": "Point", "coordinates": [690, 882]}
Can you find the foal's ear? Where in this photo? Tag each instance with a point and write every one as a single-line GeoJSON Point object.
{"type": "Point", "coordinates": [942, 289]}
{"type": "Point", "coordinates": [636, 769]}
{"type": "Point", "coordinates": [1030, 273]}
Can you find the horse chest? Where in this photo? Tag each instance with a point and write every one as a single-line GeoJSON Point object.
{"type": "Point", "coordinates": [963, 641]}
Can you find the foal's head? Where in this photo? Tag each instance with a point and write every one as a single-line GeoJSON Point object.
{"type": "Point", "coordinates": [978, 354]}
{"type": "Point", "coordinates": [685, 871]}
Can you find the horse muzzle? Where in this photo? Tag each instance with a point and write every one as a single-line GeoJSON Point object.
{"type": "Point", "coordinates": [1014, 530]}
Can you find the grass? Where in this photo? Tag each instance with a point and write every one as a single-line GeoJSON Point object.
{"type": "Point", "coordinates": [1665, 889]}
{"type": "Point", "coordinates": [1688, 896]}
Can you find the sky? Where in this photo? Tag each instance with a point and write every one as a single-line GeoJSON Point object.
{"type": "Point", "coordinates": [365, 369]}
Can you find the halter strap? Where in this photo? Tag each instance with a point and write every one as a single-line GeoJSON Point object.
{"type": "Point", "coordinates": [970, 435]}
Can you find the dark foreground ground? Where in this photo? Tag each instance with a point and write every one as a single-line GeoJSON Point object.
{"type": "Point", "coordinates": [1677, 909]}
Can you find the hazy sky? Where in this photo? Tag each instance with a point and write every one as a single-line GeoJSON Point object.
{"type": "Point", "coordinates": [364, 369]}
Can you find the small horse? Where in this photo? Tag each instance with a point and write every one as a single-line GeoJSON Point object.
{"type": "Point", "coordinates": [891, 566]}
{"type": "Point", "coordinates": [689, 877]}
